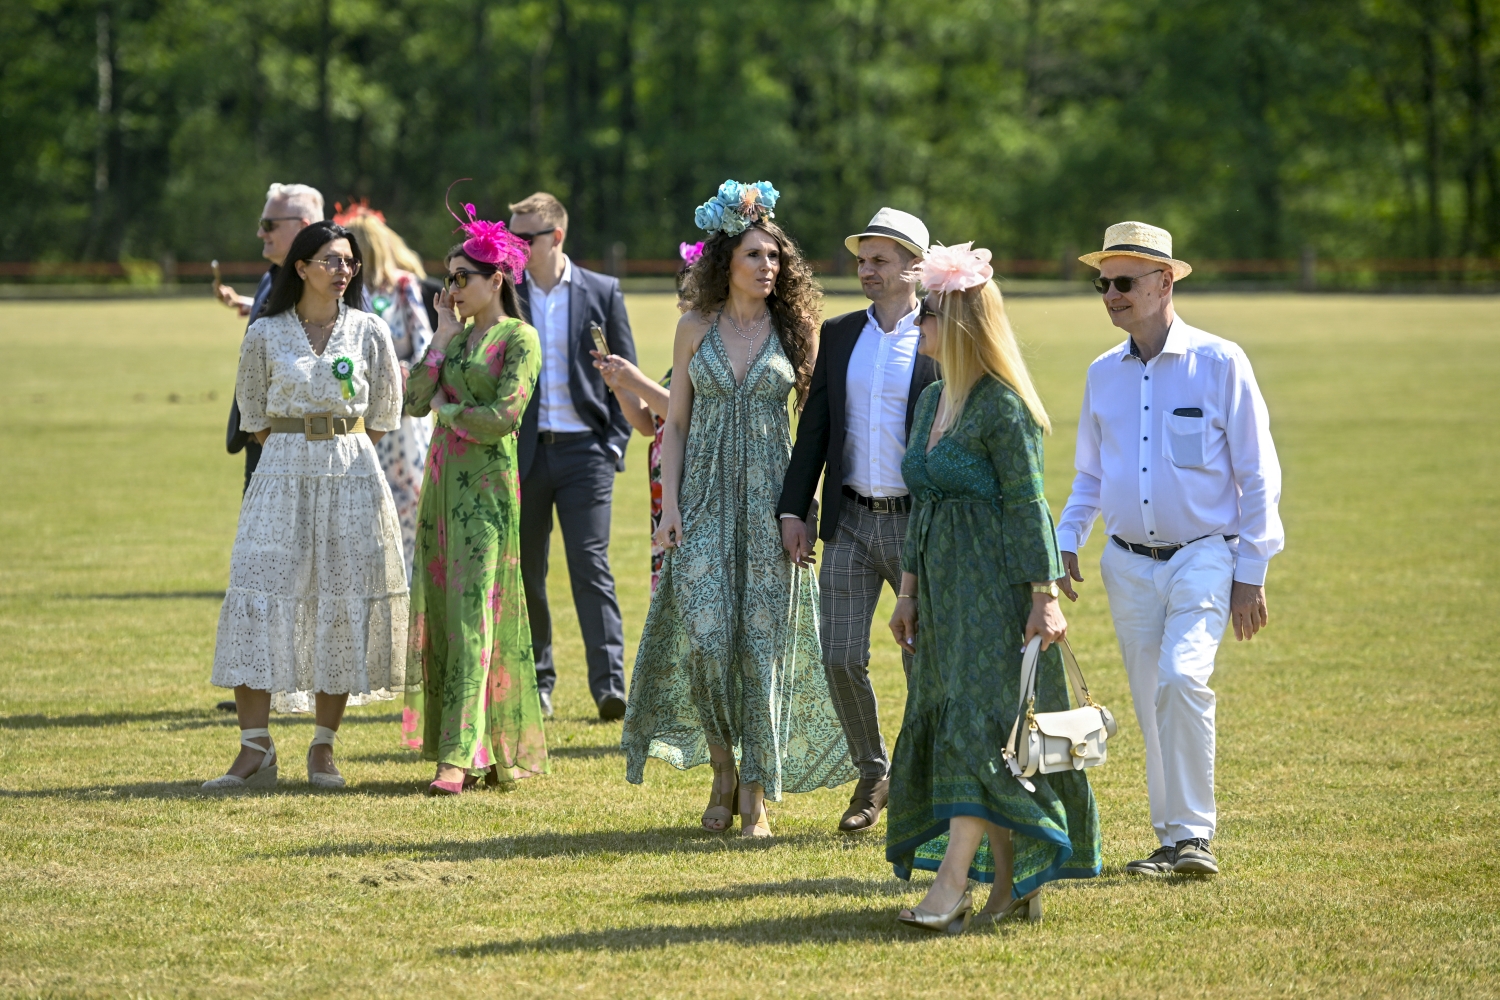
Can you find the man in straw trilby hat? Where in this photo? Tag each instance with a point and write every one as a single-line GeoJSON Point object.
{"type": "Point", "coordinates": [1175, 451]}
{"type": "Point", "coordinates": [853, 432]}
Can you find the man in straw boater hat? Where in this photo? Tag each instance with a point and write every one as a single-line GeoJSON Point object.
{"type": "Point", "coordinates": [1174, 449]}
{"type": "Point", "coordinates": [853, 431]}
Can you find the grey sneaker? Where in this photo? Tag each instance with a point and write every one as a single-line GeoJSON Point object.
{"type": "Point", "coordinates": [1194, 858]}
{"type": "Point", "coordinates": [1159, 863]}
{"type": "Point", "coordinates": [545, 697]}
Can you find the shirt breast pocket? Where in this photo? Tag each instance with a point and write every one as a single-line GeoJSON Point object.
{"type": "Point", "coordinates": [1185, 439]}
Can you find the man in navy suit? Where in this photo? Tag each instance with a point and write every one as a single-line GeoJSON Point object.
{"type": "Point", "coordinates": [572, 442]}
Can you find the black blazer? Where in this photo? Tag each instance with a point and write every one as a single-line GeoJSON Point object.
{"type": "Point", "coordinates": [234, 438]}
{"type": "Point", "coordinates": [594, 298]}
{"type": "Point", "coordinates": [820, 432]}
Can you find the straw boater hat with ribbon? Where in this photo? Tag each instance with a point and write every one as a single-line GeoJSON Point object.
{"type": "Point", "coordinates": [1136, 239]}
{"type": "Point", "coordinates": [904, 228]}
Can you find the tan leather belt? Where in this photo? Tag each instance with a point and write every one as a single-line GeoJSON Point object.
{"type": "Point", "coordinates": [318, 426]}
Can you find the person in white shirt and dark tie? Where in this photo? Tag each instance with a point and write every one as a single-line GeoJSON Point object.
{"type": "Point", "coordinates": [1175, 451]}
{"type": "Point", "coordinates": [853, 431]}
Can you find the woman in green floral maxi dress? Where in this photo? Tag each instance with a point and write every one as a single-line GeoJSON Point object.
{"type": "Point", "coordinates": [478, 709]}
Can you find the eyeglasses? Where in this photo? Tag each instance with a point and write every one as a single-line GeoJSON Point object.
{"type": "Point", "coordinates": [334, 264]}
{"type": "Point", "coordinates": [925, 312]}
{"type": "Point", "coordinates": [531, 237]}
{"type": "Point", "coordinates": [461, 278]}
{"type": "Point", "coordinates": [1101, 285]}
{"type": "Point", "coordinates": [268, 224]}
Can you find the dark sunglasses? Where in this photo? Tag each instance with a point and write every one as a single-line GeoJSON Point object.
{"type": "Point", "coordinates": [1101, 285]}
{"type": "Point", "coordinates": [268, 225]}
{"type": "Point", "coordinates": [531, 237]}
{"type": "Point", "coordinates": [925, 312]}
{"type": "Point", "coordinates": [460, 279]}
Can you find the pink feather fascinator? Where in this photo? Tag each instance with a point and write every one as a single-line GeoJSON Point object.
{"type": "Point", "coordinates": [490, 242]}
{"type": "Point", "coordinates": [954, 269]}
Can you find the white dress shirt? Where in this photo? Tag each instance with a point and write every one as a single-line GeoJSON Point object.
{"type": "Point", "coordinates": [1163, 477]}
{"type": "Point", "coordinates": [549, 314]}
{"type": "Point", "coordinates": [876, 387]}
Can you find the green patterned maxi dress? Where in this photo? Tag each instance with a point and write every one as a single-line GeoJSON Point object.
{"type": "Point", "coordinates": [979, 534]}
{"type": "Point", "coordinates": [729, 654]}
{"type": "Point", "coordinates": [478, 703]}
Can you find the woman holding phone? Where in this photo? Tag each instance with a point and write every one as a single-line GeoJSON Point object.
{"type": "Point", "coordinates": [478, 713]}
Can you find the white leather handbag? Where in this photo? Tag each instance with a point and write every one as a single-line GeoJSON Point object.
{"type": "Point", "coordinates": [1050, 742]}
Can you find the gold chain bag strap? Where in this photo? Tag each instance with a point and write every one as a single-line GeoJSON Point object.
{"type": "Point", "coordinates": [1056, 741]}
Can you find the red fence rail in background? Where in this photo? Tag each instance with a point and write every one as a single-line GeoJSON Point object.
{"type": "Point", "coordinates": [1306, 269]}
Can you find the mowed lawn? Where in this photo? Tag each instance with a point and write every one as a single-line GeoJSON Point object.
{"type": "Point", "coordinates": [1357, 736]}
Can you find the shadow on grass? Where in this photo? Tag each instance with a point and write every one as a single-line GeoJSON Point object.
{"type": "Point", "coordinates": [168, 595]}
{"type": "Point", "coordinates": [832, 927]}
{"type": "Point", "coordinates": [206, 718]}
{"type": "Point", "coordinates": [584, 752]}
{"type": "Point", "coordinates": [795, 887]}
{"type": "Point", "coordinates": [190, 790]}
{"type": "Point", "coordinates": [659, 840]}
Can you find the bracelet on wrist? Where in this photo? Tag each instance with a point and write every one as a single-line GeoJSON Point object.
{"type": "Point", "coordinates": [906, 597]}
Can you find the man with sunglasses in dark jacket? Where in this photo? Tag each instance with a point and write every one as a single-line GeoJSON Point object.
{"type": "Point", "coordinates": [290, 208]}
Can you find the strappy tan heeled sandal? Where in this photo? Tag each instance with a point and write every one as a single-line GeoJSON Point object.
{"type": "Point", "coordinates": [264, 776]}
{"type": "Point", "coordinates": [719, 801]}
{"type": "Point", "coordinates": [756, 825]}
{"type": "Point", "coordinates": [323, 737]}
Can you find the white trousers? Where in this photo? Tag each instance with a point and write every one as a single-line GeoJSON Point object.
{"type": "Point", "coordinates": [1169, 617]}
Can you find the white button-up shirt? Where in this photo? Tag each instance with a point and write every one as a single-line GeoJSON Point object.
{"type": "Point", "coordinates": [877, 386]}
{"type": "Point", "coordinates": [1175, 449]}
{"type": "Point", "coordinates": [549, 314]}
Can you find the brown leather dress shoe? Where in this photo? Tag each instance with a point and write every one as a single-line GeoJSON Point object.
{"type": "Point", "coordinates": [870, 795]}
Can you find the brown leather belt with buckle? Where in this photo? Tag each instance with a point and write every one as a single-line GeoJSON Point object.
{"type": "Point", "coordinates": [1161, 553]}
{"type": "Point", "coordinates": [880, 505]}
{"type": "Point", "coordinates": [548, 437]}
{"type": "Point", "coordinates": [318, 426]}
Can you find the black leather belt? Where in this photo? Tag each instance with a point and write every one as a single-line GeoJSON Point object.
{"type": "Point", "coordinates": [1161, 553]}
{"type": "Point", "coordinates": [548, 437]}
{"type": "Point", "coordinates": [880, 505]}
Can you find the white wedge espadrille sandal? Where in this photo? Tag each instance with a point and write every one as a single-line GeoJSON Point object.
{"type": "Point", "coordinates": [323, 737]}
{"type": "Point", "coordinates": [264, 776]}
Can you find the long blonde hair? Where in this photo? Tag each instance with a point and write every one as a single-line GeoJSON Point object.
{"type": "Point", "coordinates": [976, 341]}
{"type": "Point", "coordinates": [386, 253]}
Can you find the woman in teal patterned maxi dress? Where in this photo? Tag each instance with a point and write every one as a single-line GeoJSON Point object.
{"type": "Point", "coordinates": [980, 560]}
{"type": "Point", "coordinates": [478, 710]}
{"type": "Point", "coordinates": [729, 663]}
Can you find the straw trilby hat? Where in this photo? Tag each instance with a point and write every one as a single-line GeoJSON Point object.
{"type": "Point", "coordinates": [1136, 239]}
{"type": "Point", "coordinates": [903, 227]}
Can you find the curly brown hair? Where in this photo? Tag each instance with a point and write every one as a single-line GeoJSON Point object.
{"type": "Point", "coordinates": [795, 303]}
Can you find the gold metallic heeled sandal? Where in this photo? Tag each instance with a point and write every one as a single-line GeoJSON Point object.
{"type": "Point", "coordinates": [727, 801]}
{"type": "Point", "coordinates": [955, 921]}
{"type": "Point", "coordinates": [1028, 906]}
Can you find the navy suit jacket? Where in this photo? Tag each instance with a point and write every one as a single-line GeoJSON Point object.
{"type": "Point", "coordinates": [593, 298]}
{"type": "Point", "coordinates": [820, 430]}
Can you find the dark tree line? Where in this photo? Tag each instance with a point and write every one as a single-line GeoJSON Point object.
{"type": "Point", "coordinates": [1254, 128]}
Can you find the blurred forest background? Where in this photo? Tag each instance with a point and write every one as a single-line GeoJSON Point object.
{"type": "Point", "coordinates": [1251, 128]}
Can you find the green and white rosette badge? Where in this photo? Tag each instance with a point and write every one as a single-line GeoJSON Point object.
{"type": "Point", "coordinates": [343, 370]}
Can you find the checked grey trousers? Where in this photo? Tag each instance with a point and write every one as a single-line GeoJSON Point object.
{"type": "Point", "coordinates": [865, 554]}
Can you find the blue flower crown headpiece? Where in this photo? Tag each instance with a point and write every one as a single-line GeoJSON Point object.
{"type": "Point", "coordinates": [736, 206]}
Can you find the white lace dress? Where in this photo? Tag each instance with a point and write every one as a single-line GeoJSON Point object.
{"type": "Point", "coordinates": [317, 597]}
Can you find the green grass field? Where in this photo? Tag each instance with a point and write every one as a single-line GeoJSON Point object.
{"type": "Point", "coordinates": [1357, 770]}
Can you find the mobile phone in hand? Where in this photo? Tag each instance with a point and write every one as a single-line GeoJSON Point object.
{"type": "Point", "coordinates": [600, 344]}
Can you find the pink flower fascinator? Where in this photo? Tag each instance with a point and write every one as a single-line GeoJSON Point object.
{"type": "Point", "coordinates": [490, 242]}
{"type": "Point", "coordinates": [690, 252]}
{"type": "Point", "coordinates": [955, 268]}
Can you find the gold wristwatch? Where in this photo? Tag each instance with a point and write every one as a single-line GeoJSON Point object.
{"type": "Point", "coordinates": [1050, 589]}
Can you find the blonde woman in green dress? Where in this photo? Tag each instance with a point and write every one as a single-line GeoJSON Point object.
{"type": "Point", "coordinates": [477, 713]}
{"type": "Point", "coordinates": [729, 664]}
{"type": "Point", "coordinates": [976, 584]}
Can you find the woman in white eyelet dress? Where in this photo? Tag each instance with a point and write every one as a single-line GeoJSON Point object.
{"type": "Point", "coordinates": [317, 598]}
